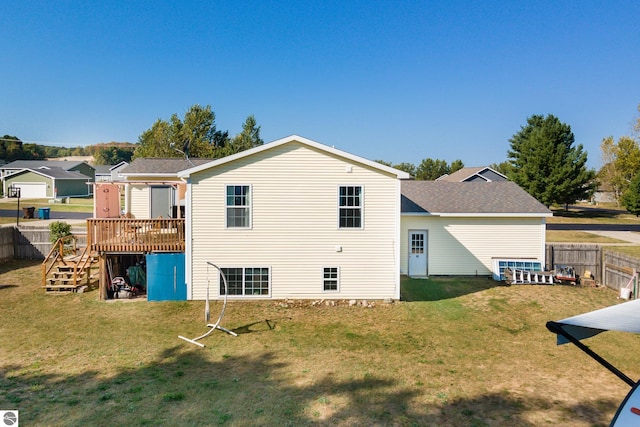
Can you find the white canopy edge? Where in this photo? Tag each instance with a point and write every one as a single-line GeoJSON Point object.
{"type": "Point", "coordinates": [623, 317]}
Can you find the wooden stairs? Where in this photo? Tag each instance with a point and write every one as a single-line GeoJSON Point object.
{"type": "Point", "coordinates": [67, 267]}
{"type": "Point", "coordinates": [70, 275]}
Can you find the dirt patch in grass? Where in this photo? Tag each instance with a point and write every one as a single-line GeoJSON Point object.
{"type": "Point", "coordinates": [462, 351]}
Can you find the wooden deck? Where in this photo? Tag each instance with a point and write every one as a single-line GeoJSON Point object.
{"type": "Point", "coordinates": [124, 235]}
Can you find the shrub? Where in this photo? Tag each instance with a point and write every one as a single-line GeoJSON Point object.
{"type": "Point", "coordinates": [57, 230]}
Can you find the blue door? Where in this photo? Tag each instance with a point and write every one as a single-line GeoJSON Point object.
{"type": "Point", "coordinates": [165, 277]}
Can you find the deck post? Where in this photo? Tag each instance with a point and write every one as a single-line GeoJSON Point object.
{"type": "Point", "coordinates": [102, 287]}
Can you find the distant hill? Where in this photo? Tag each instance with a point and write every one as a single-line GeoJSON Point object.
{"type": "Point", "coordinates": [88, 159]}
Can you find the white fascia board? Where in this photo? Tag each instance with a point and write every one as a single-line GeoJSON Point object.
{"type": "Point", "coordinates": [295, 138]}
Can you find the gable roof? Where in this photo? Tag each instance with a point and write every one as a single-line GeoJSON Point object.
{"type": "Point", "coordinates": [300, 140]}
{"type": "Point", "coordinates": [52, 172]}
{"type": "Point", "coordinates": [37, 164]}
{"type": "Point", "coordinates": [107, 169]}
{"type": "Point", "coordinates": [103, 169]}
{"type": "Point", "coordinates": [148, 166]}
{"type": "Point", "coordinates": [443, 198]}
{"type": "Point", "coordinates": [473, 173]}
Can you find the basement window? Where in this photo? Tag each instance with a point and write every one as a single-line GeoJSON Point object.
{"type": "Point", "coordinates": [247, 281]}
{"type": "Point", "coordinates": [330, 279]}
{"type": "Point", "coordinates": [499, 265]}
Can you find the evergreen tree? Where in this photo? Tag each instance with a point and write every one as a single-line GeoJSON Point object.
{"type": "Point", "coordinates": [631, 197]}
{"type": "Point", "coordinates": [546, 164]}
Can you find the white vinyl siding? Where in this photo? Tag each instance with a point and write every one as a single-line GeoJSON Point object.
{"type": "Point", "coordinates": [467, 246]}
{"type": "Point", "coordinates": [293, 226]}
{"type": "Point", "coordinates": [139, 207]}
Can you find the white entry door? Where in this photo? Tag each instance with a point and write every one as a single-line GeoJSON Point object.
{"type": "Point", "coordinates": [418, 248]}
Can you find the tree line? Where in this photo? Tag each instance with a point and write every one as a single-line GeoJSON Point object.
{"type": "Point", "coordinates": [542, 158]}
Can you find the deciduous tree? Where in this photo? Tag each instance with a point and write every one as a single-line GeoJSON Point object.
{"type": "Point", "coordinates": [430, 169]}
{"type": "Point", "coordinates": [195, 136]}
{"type": "Point", "coordinates": [621, 162]}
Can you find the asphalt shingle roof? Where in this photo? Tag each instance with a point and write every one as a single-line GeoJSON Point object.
{"type": "Point", "coordinates": [160, 166]}
{"type": "Point", "coordinates": [36, 164]}
{"type": "Point", "coordinates": [54, 172]}
{"type": "Point", "coordinates": [466, 173]}
{"type": "Point", "coordinates": [438, 197]}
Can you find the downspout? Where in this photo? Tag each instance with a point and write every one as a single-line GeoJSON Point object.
{"type": "Point", "coordinates": [188, 250]}
{"type": "Point", "coordinates": [397, 239]}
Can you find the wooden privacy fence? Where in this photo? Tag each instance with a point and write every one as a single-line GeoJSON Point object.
{"type": "Point", "coordinates": [6, 243]}
{"type": "Point", "coordinates": [582, 257]}
{"type": "Point", "coordinates": [618, 269]}
{"type": "Point", "coordinates": [29, 242]}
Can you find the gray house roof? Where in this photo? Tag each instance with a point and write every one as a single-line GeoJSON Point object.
{"type": "Point", "coordinates": [469, 198]}
{"type": "Point", "coordinates": [481, 173]}
{"type": "Point", "coordinates": [145, 166]}
{"type": "Point", "coordinates": [52, 172]}
{"type": "Point", "coordinates": [103, 169]}
{"type": "Point", "coordinates": [36, 164]}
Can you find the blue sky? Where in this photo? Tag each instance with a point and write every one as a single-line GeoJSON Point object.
{"type": "Point", "coordinates": [393, 80]}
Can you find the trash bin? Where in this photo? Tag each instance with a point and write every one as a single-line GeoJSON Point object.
{"type": "Point", "coordinates": [28, 212]}
{"type": "Point", "coordinates": [43, 213]}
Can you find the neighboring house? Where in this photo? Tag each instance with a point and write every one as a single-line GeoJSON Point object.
{"type": "Point", "coordinates": [471, 174]}
{"type": "Point", "coordinates": [38, 177]}
{"type": "Point", "coordinates": [47, 182]}
{"type": "Point", "coordinates": [70, 166]}
{"type": "Point", "coordinates": [109, 173]}
{"type": "Point", "coordinates": [294, 219]}
{"type": "Point", "coordinates": [465, 228]}
{"type": "Point", "coordinates": [153, 188]}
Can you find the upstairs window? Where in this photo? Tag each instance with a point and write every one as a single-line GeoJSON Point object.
{"type": "Point", "coordinates": [350, 206]}
{"type": "Point", "coordinates": [238, 206]}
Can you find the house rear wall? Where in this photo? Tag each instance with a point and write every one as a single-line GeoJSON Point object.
{"type": "Point", "coordinates": [295, 225]}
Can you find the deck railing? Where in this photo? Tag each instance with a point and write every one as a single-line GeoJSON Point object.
{"type": "Point", "coordinates": [135, 235]}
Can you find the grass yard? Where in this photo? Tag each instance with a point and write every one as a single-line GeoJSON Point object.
{"type": "Point", "coordinates": [454, 352]}
{"type": "Point", "coordinates": [573, 236]}
{"type": "Point", "coordinates": [76, 204]}
{"type": "Point", "coordinates": [589, 214]}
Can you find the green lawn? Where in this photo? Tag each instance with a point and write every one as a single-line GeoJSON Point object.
{"type": "Point", "coordinates": [454, 352]}
{"type": "Point", "coordinates": [605, 214]}
{"type": "Point", "coordinates": [76, 204]}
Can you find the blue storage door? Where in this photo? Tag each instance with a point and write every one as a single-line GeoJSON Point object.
{"type": "Point", "coordinates": [165, 277]}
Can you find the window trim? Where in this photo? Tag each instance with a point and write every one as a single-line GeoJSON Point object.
{"type": "Point", "coordinates": [245, 295]}
{"type": "Point", "coordinates": [325, 280]}
{"type": "Point", "coordinates": [249, 207]}
{"type": "Point", "coordinates": [360, 207]}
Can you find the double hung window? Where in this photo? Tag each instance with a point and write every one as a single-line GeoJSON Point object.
{"type": "Point", "coordinates": [350, 206]}
{"type": "Point", "coordinates": [330, 278]}
{"type": "Point", "coordinates": [238, 206]}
